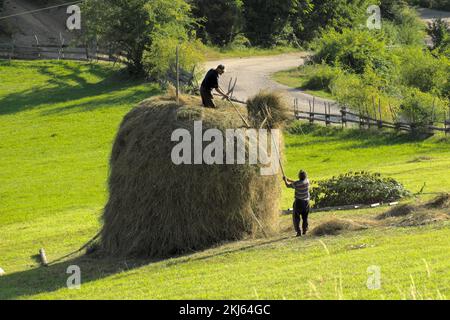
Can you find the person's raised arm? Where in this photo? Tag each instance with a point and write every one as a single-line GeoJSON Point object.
{"type": "Point", "coordinates": [288, 182]}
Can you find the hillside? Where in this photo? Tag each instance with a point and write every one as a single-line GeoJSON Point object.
{"type": "Point", "coordinates": [58, 120]}
{"type": "Point", "coordinates": [46, 25]}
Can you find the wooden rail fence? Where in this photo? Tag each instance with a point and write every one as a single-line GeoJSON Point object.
{"type": "Point", "coordinates": [63, 52]}
{"type": "Point", "coordinates": [345, 116]}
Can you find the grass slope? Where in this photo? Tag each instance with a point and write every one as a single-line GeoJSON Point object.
{"type": "Point", "coordinates": [214, 53]}
{"type": "Point", "coordinates": [57, 122]}
{"type": "Point", "coordinates": [296, 78]}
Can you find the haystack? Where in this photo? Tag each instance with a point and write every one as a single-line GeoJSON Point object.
{"type": "Point", "coordinates": [158, 209]}
{"type": "Point", "coordinates": [268, 109]}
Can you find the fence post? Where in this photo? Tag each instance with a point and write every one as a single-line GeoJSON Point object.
{"type": "Point", "coordinates": [310, 112]}
{"type": "Point", "coordinates": [327, 118]}
{"type": "Point", "coordinates": [374, 110]}
{"type": "Point", "coordinates": [11, 54]}
{"type": "Point", "coordinates": [380, 122]}
{"type": "Point", "coordinates": [314, 107]}
{"type": "Point", "coordinates": [37, 46]}
{"type": "Point", "coordinates": [360, 119]}
{"type": "Point", "coordinates": [445, 122]}
{"type": "Point", "coordinates": [431, 122]}
{"type": "Point", "coordinates": [344, 116]}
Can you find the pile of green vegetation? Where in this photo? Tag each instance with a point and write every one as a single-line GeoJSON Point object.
{"type": "Point", "coordinates": [357, 188]}
{"type": "Point", "coordinates": [391, 67]}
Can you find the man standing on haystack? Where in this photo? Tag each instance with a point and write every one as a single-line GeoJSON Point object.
{"type": "Point", "coordinates": [211, 82]}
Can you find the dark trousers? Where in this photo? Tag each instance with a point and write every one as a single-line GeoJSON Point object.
{"type": "Point", "coordinates": [301, 209]}
{"type": "Point", "coordinates": [207, 98]}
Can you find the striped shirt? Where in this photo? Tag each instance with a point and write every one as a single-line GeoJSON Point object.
{"type": "Point", "coordinates": [301, 189]}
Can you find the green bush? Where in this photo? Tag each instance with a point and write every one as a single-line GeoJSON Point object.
{"type": "Point", "coordinates": [420, 69]}
{"type": "Point", "coordinates": [353, 50]}
{"type": "Point", "coordinates": [410, 29]}
{"type": "Point", "coordinates": [320, 76]}
{"type": "Point", "coordinates": [160, 58]}
{"type": "Point", "coordinates": [420, 107]}
{"type": "Point", "coordinates": [438, 30]}
{"type": "Point", "coordinates": [359, 94]}
{"type": "Point", "coordinates": [357, 188]}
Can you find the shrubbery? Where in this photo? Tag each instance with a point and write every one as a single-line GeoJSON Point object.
{"type": "Point", "coordinates": [391, 67]}
{"type": "Point", "coordinates": [421, 107]}
{"type": "Point", "coordinates": [320, 76]}
{"type": "Point", "coordinates": [357, 188]}
{"type": "Point", "coordinates": [352, 50]}
{"type": "Point", "coordinates": [422, 70]}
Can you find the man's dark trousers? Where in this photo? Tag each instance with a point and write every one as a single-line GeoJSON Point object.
{"type": "Point", "coordinates": [301, 209]}
{"type": "Point", "coordinates": [207, 98]}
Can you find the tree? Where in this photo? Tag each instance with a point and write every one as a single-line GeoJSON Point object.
{"type": "Point", "coordinates": [266, 19]}
{"type": "Point", "coordinates": [312, 17]}
{"type": "Point", "coordinates": [131, 26]}
{"type": "Point", "coordinates": [219, 21]}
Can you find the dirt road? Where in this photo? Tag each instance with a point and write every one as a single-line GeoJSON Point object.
{"type": "Point", "coordinates": [428, 15]}
{"type": "Point", "coordinates": [254, 74]}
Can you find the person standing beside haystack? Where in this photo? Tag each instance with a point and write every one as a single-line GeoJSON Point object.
{"type": "Point", "coordinates": [301, 204]}
{"type": "Point", "coordinates": [211, 82]}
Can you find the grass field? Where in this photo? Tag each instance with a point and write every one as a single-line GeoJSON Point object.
{"type": "Point", "coordinates": [57, 122]}
{"type": "Point", "coordinates": [214, 53]}
{"type": "Point", "coordinates": [296, 78]}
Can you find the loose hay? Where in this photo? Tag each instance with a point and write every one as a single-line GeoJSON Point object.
{"type": "Point", "coordinates": [418, 214]}
{"type": "Point", "coordinates": [278, 111]}
{"type": "Point", "coordinates": [336, 226]}
{"type": "Point", "coordinates": [440, 202]}
{"type": "Point", "coordinates": [399, 211]}
{"type": "Point", "coordinates": [158, 209]}
{"type": "Point", "coordinates": [420, 218]}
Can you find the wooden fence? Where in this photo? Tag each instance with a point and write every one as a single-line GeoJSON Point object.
{"type": "Point", "coordinates": [344, 117]}
{"type": "Point", "coordinates": [12, 51]}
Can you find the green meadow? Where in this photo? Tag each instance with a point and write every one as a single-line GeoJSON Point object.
{"type": "Point", "coordinates": [57, 123]}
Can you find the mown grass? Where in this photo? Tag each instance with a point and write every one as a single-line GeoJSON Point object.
{"type": "Point", "coordinates": [57, 122]}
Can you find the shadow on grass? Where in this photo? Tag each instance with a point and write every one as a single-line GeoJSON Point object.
{"type": "Point", "coordinates": [54, 277]}
{"type": "Point", "coordinates": [42, 280]}
{"type": "Point", "coordinates": [64, 84]}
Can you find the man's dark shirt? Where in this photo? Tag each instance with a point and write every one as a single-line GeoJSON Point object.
{"type": "Point", "coordinates": [211, 80]}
